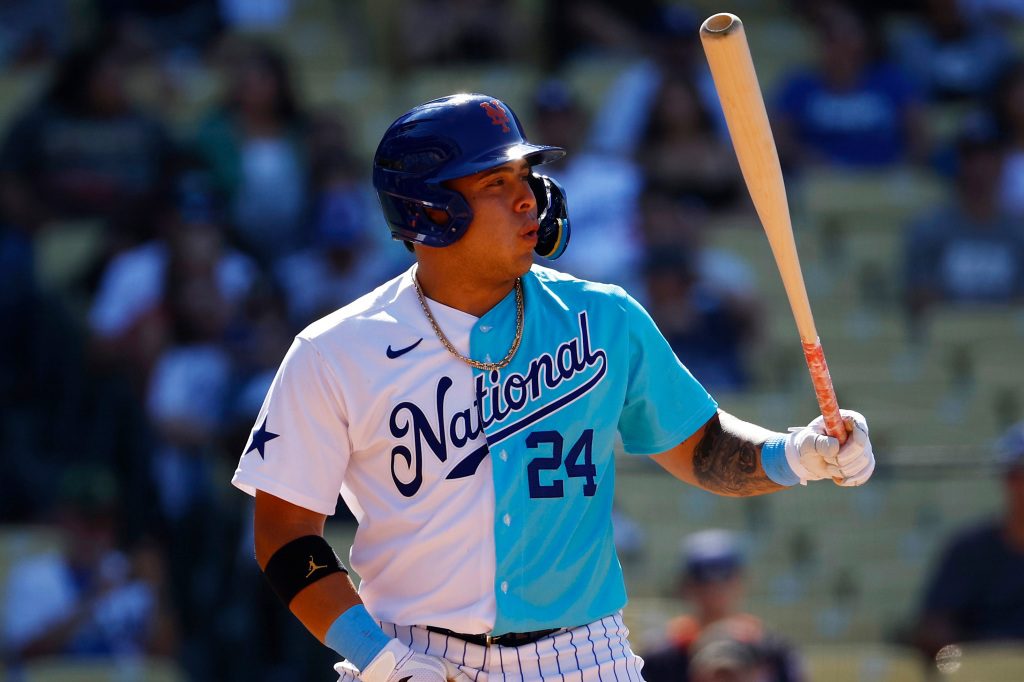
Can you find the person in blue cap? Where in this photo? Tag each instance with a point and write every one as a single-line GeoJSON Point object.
{"type": "Point", "coordinates": [976, 590]}
{"type": "Point", "coordinates": [712, 582]}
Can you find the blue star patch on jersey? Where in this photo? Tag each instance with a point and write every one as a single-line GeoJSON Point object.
{"type": "Point", "coordinates": [260, 437]}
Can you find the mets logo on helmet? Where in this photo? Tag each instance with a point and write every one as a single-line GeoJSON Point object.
{"type": "Point", "coordinates": [497, 114]}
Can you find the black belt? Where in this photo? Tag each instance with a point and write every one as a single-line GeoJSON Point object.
{"type": "Point", "coordinates": [507, 639]}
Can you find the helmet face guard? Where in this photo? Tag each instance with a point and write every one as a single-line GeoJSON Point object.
{"type": "Point", "coordinates": [449, 138]}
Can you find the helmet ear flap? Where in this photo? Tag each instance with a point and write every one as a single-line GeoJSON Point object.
{"type": "Point", "coordinates": [410, 221]}
{"type": "Point", "coordinates": [552, 216]}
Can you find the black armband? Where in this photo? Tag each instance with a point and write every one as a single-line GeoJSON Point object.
{"type": "Point", "coordinates": [301, 563]}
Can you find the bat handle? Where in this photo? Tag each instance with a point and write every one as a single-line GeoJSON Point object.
{"type": "Point", "coordinates": [823, 390]}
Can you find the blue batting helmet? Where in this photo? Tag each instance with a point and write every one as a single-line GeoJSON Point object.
{"type": "Point", "coordinates": [450, 138]}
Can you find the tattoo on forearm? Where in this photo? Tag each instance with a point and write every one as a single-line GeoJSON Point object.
{"type": "Point", "coordinates": [729, 463]}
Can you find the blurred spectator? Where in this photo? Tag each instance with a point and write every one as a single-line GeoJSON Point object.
{"type": "Point", "coordinates": [33, 31]}
{"type": "Point", "coordinates": [854, 109]}
{"type": "Point", "coordinates": [18, 294]}
{"type": "Point", "coordinates": [721, 655]}
{"type": "Point", "coordinates": [712, 580]}
{"type": "Point", "coordinates": [450, 32]}
{"type": "Point", "coordinates": [602, 189]}
{"type": "Point", "coordinates": [969, 251]}
{"type": "Point", "coordinates": [704, 299]}
{"type": "Point", "coordinates": [127, 316]}
{"type": "Point", "coordinates": [976, 590]}
{"type": "Point", "coordinates": [245, 15]}
{"type": "Point", "coordinates": [254, 143]}
{"type": "Point", "coordinates": [189, 385]}
{"type": "Point", "coordinates": [87, 598]}
{"type": "Point", "coordinates": [682, 152]}
{"type": "Point", "coordinates": [186, 403]}
{"type": "Point", "coordinates": [19, 301]}
{"type": "Point", "coordinates": [172, 28]}
{"type": "Point", "coordinates": [668, 52]}
{"type": "Point", "coordinates": [701, 325]}
{"type": "Point", "coordinates": [994, 10]}
{"type": "Point", "coordinates": [85, 150]}
{"type": "Point", "coordinates": [869, 10]}
{"type": "Point", "coordinates": [669, 222]}
{"type": "Point", "coordinates": [258, 341]}
{"type": "Point", "coordinates": [576, 29]}
{"type": "Point", "coordinates": [950, 57]}
{"type": "Point", "coordinates": [53, 410]}
{"type": "Point", "coordinates": [349, 254]}
{"type": "Point", "coordinates": [1008, 110]}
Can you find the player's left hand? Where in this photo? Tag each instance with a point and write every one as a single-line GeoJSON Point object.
{"type": "Point", "coordinates": [398, 662]}
{"type": "Point", "coordinates": [820, 455]}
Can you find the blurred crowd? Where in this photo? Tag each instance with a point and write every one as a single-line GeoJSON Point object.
{"type": "Point", "coordinates": [154, 271]}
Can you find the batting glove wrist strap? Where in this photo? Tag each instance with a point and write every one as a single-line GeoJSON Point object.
{"type": "Point", "coordinates": [299, 564]}
{"type": "Point", "coordinates": [775, 463]}
{"type": "Point", "coordinates": [396, 662]}
{"type": "Point", "coordinates": [356, 636]}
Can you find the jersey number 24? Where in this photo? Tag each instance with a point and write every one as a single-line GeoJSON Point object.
{"type": "Point", "coordinates": [573, 468]}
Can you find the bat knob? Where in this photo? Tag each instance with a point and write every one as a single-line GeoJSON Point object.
{"type": "Point", "coordinates": [721, 24]}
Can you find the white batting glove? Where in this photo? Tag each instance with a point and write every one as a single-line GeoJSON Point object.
{"type": "Point", "coordinates": [813, 455]}
{"type": "Point", "coordinates": [398, 663]}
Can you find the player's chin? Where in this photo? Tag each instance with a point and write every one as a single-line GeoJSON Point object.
{"type": "Point", "coordinates": [524, 262]}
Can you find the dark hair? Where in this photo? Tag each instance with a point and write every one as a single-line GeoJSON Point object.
{"type": "Point", "coordinates": [977, 134]}
{"type": "Point", "coordinates": [832, 19]}
{"type": "Point", "coordinates": [1011, 73]}
{"type": "Point", "coordinates": [655, 127]}
{"type": "Point", "coordinates": [272, 60]}
{"type": "Point", "coordinates": [69, 87]}
{"type": "Point", "coordinates": [90, 490]}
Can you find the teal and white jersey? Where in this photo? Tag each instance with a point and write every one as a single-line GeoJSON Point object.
{"type": "Point", "coordinates": [591, 363]}
{"type": "Point", "coordinates": [483, 498]}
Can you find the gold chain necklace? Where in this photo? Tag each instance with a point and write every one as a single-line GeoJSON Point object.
{"type": "Point", "coordinates": [487, 366]}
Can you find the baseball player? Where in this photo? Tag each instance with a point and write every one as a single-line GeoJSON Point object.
{"type": "Point", "coordinates": [467, 412]}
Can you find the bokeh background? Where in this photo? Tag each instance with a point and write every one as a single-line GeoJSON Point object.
{"type": "Point", "coordinates": [184, 185]}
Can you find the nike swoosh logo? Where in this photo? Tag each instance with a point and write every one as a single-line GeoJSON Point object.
{"type": "Point", "coordinates": [406, 679]}
{"type": "Point", "coordinates": [397, 354]}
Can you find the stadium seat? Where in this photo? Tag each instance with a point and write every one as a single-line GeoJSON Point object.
{"type": "Point", "coordinates": [976, 325]}
{"type": "Point", "coordinates": [866, 200]}
{"type": "Point", "coordinates": [982, 662]}
{"type": "Point", "coordinates": [129, 670]}
{"type": "Point", "coordinates": [17, 91]}
{"type": "Point", "coordinates": [66, 249]}
{"type": "Point", "coordinates": [862, 663]}
{"type": "Point", "coordinates": [20, 541]}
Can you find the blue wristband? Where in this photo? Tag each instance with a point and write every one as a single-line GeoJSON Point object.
{"type": "Point", "coordinates": [773, 461]}
{"type": "Point", "coordinates": [356, 636]}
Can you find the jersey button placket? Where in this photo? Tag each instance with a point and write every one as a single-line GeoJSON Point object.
{"type": "Point", "coordinates": [502, 462]}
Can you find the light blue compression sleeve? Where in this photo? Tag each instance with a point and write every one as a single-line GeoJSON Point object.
{"type": "Point", "coordinates": [773, 461]}
{"type": "Point", "coordinates": [356, 636]}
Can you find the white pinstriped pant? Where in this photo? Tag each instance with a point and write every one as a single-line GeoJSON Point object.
{"type": "Point", "coordinates": [597, 652]}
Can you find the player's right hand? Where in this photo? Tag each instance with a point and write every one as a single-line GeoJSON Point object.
{"type": "Point", "coordinates": [398, 663]}
{"type": "Point", "coordinates": [813, 455]}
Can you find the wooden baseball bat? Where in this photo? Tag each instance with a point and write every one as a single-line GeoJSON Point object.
{"type": "Point", "coordinates": [725, 44]}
